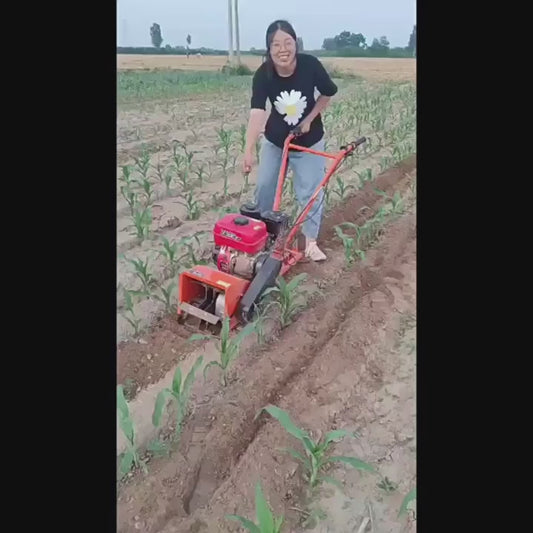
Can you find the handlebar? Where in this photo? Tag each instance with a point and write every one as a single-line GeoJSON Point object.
{"type": "Point", "coordinates": [295, 132]}
{"type": "Point", "coordinates": [354, 144]}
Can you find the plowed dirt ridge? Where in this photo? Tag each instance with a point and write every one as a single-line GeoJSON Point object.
{"type": "Point", "coordinates": [347, 362]}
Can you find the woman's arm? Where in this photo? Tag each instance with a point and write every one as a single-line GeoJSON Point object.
{"type": "Point", "coordinates": [321, 103]}
{"type": "Point", "coordinates": [256, 125]}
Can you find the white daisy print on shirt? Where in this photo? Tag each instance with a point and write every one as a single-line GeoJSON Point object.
{"type": "Point", "coordinates": [292, 105]}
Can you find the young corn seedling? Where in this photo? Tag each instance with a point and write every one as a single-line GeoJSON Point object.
{"type": "Point", "coordinates": [130, 197]}
{"type": "Point", "coordinates": [192, 205]}
{"type": "Point", "coordinates": [387, 485]}
{"type": "Point", "coordinates": [228, 347]}
{"type": "Point", "coordinates": [166, 297]}
{"type": "Point", "coordinates": [200, 172]}
{"type": "Point", "coordinates": [160, 171]}
{"type": "Point", "coordinates": [189, 258]}
{"type": "Point", "coordinates": [143, 164]}
{"type": "Point", "coordinates": [364, 176]}
{"type": "Point", "coordinates": [179, 394]}
{"type": "Point", "coordinates": [225, 139]}
{"type": "Point", "coordinates": [148, 190]}
{"type": "Point", "coordinates": [170, 252]}
{"type": "Point", "coordinates": [409, 497]}
{"type": "Point", "coordinates": [290, 302]}
{"type": "Point", "coordinates": [144, 275]}
{"type": "Point", "coordinates": [131, 456]}
{"type": "Point", "coordinates": [142, 220]}
{"type": "Point", "coordinates": [169, 177]}
{"type": "Point", "coordinates": [133, 321]}
{"type": "Point", "coordinates": [341, 188]}
{"type": "Point", "coordinates": [396, 201]}
{"type": "Point", "coordinates": [351, 248]}
{"type": "Point", "coordinates": [126, 176]}
{"type": "Point", "coordinates": [266, 522]}
{"type": "Point", "coordinates": [242, 137]}
{"type": "Point", "coordinates": [385, 162]}
{"type": "Point", "coordinates": [317, 456]}
{"type": "Point", "coordinates": [183, 178]}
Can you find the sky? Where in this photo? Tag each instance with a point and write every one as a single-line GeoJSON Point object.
{"type": "Point", "coordinates": [207, 21]}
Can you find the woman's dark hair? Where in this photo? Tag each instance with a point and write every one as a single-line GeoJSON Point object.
{"type": "Point", "coordinates": [282, 25]}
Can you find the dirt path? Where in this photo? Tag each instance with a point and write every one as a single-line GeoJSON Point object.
{"type": "Point", "coordinates": [352, 367]}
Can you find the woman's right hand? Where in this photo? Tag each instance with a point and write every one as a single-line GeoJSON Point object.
{"type": "Point", "coordinates": [247, 162]}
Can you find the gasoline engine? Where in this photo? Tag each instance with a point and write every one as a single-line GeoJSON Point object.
{"type": "Point", "coordinates": [244, 240]}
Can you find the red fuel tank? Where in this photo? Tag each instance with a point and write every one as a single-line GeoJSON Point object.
{"type": "Point", "coordinates": [241, 233]}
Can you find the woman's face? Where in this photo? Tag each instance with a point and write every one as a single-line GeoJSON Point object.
{"type": "Point", "coordinates": [282, 49]}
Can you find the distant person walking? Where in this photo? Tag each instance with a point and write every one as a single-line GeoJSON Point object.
{"type": "Point", "coordinates": [288, 79]}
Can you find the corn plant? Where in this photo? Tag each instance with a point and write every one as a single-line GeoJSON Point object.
{"type": "Point", "coordinates": [409, 497]}
{"type": "Point", "coordinates": [387, 485]}
{"type": "Point", "coordinates": [145, 276]}
{"type": "Point", "coordinates": [396, 201]}
{"type": "Point", "coordinates": [179, 393]}
{"type": "Point", "coordinates": [289, 301]}
{"type": "Point", "coordinates": [166, 297]}
{"type": "Point", "coordinates": [183, 178]}
{"type": "Point", "coordinates": [142, 220]}
{"type": "Point", "coordinates": [364, 176]}
{"type": "Point", "coordinates": [130, 197]}
{"type": "Point", "coordinates": [169, 176]}
{"type": "Point", "coordinates": [132, 319]}
{"type": "Point", "coordinates": [351, 247]}
{"type": "Point", "coordinates": [160, 171]}
{"type": "Point", "coordinates": [170, 252]}
{"type": "Point", "coordinates": [341, 188]}
{"type": "Point", "coordinates": [143, 164]}
{"type": "Point", "coordinates": [266, 522]}
{"type": "Point", "coordinates": [225, 138]}
{"type": "Point", "coordinates": [192, 205]}
{"type": "Point", "coordinates": [317, 456]}
{"type": "Point", "coordinates": [126, 175]}
{"type": "Point", "coordinates": [131, 456]}
{"type": "Point", "coordinates": [242, 137]}
{"type": "Point", "coordinates": [385, 162]}
{"type": "Point", "coordinates": [200, 172]}
{"type": "Point", "coordinates": [180, 160]}
{"type": "Point", "coordinates": [147, 187]}
{"type": "Point", "coordinates": [189, 258]}
{"type": "Point", "coordinates": [228, 348]}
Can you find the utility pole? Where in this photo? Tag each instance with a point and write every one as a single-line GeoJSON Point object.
{"type": "Point", "coordinates": [230, 32]}
{"type": "Point", "coordinates": [237, 41]}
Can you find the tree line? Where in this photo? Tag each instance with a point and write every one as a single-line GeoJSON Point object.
{"type": "Point", "coordinates": [345, 44]}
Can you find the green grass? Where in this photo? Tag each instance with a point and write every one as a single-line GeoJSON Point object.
{"type": "Point", "coordinates": [162, 84]}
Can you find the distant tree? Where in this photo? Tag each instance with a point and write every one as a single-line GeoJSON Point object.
{"type": "Point", "coordinates": [329, 44]}
{"type": "Point", "coordinates": [380, 45]}
{"type": "Point", "coordinates": [384, 42]}
{"type": "Point", "coordinates": [300, 44]}
{"type": "Point", "coordinates": [155, 34]}
{"type": "Point", "coordinates": [346, 39]}
{"type": "Point", "coordinates": [411, 45]}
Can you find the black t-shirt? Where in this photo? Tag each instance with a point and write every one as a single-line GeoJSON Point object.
{"type": "Point", "coordinates": [292, 98]}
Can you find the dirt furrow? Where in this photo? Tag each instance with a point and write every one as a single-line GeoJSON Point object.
{"type": "Point", "coordinates": [361, 379]}
{"type": "Point", "coordinates": [222, 429]}
{"type": "Point", "coordinates": [136, 368]}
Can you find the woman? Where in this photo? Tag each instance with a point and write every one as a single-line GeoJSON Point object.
{"type": "Point", "coordinates": [288, 78]}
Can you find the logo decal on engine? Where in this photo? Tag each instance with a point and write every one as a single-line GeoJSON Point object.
{"type": "Point", "coordinates": [230, 235]}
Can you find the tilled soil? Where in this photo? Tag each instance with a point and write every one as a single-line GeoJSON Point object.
{"type": "Point", "coordinates": [347, 362]}
{"type": "Point", "coordinates": [159, 350]}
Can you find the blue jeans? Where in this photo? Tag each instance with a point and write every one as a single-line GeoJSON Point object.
{"type": "Point", "coordinates": [309, 170]}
